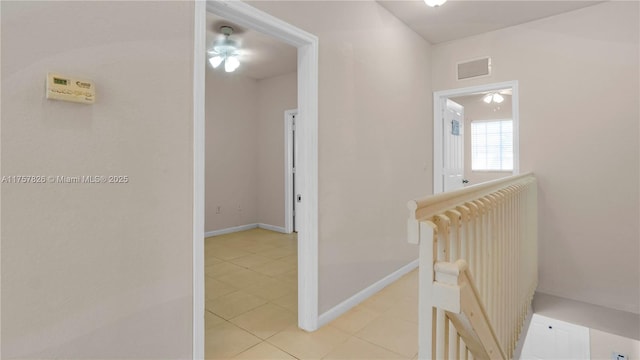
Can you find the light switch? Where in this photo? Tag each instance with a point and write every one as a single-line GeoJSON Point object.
{"type": "Point", "coordinates": [66, 88]}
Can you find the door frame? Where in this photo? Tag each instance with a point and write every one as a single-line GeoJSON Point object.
{"type": "Point", "coordinates": [289, 185]}
{"type": "Point", "coordinates": [438, 143]}
{"type": "Point", "coordinates": [307, 44]}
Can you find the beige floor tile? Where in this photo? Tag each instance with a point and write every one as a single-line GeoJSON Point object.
{"type": "Point", "coordinates": [227, 340]}
{"type": "Point", "coordinates": [212, 245]}
{"type": "Point", "coordinates": [211, 320]}
{"type": "Point", "coordinates": [278, 253]}
{"type": "Point", "coordinates": [276, 241]}
{"type": "Point", "coordinates": [227, 253]}
{"type": "Point", "coordinates": [405, 309]}
{"type": "Point", "coordinates": [258, 247]}
{"type": "Point", "coordinates": [355, 348]}
{"type": "Point", "coordinates": [406, 286]}
{"type": "Point", "coordinates": [271, 289]}
{"type": "Point", "coordinates": [306, 345]}
{"type": "Point", "coordinates": [251, 261]}
{"type": "Point", "coordinates": [397, 335]}
{"type": "Point", "coordinates": [289, 302]}
{"type": "Point", "coordinates": [243, 278]}
{"type": "Point", "coordinates": [275, 268]}
{"type": "Point", "coordinates": [355, 319]}
{"type": "Point", "coordinates": [380, 302]}
{"type": "Point", "coordinates": [210, 260]}
{"type": "Point", "coordinates": [239, 243]}
{"type": "Point", "coordinates": [264, 351]}
{"type": "Point", "coordinates": [293, 258]}
{"type": "Point", "coordinates": [266, 320]}
{"type": "Point", "coordinates": [290, 277]}
{"type": "Point", "coordinates": [234, 304]}
{"type": "Point", "coordinates": [220, 269]}
{"type": "Point", "coordinates": [214, 288]}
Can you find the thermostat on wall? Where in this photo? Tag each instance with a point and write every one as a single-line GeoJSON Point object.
{"type": "Point", "coordinates": [69, 89]}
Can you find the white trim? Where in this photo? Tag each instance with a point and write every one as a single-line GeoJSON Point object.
{"type": "Point", "coordinates": [230, 230]}
{"type": "Point", "coordinates": [364, 294]}
{"type": "Point", "coordinates": [200, 23]}
{"type": "Point", "coordinates": [245, 227]}
{"type": "Point", "coordinates": [288, 173]}
{"type": "Point", "coordinates": [307, 44]}
{"type": "Point", "coordinates": [275, 228]}
{"type": "Point", "coordinates": [438, 97]}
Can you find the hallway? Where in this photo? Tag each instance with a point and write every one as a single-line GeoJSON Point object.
{"type": "Point", "coordinates": [251, 307]}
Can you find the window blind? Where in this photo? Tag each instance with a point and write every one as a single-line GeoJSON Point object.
{"type": "Point", "coordinates": [492, 145]}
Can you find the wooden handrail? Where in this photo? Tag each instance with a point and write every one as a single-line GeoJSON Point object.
{"type": "Point", "coordinates": [428, 206]}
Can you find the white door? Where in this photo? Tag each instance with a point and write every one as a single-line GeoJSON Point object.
{"type": "Point", "coordinates": [553, 339]}
{"type": "Point", "coordinates": [293, 171]}
{"type": "Point", "coordinates": [291, 179]}
{"type": "Point", "coordinates": [453, 145]}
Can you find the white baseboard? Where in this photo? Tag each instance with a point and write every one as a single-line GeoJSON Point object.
{"type": "Point", "coordinates": [279, 229]}
{"type": "Point", "coordinates": [356, 299]}
{"type": "Point", "coordinates": [230, 230]}
{"type": "Point", "coordinates": [243, 228]}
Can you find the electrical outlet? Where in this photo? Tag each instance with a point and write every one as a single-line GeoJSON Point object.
{"type": "Point", "coordinates": [218, 210]}
{"type": "Point", "coordinates": [618, 356]}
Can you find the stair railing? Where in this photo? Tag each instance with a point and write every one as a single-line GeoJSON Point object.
{"type": "Point", "coordinates": [478, 267]}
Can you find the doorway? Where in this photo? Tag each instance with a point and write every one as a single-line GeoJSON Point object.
{"type": "Point", "coordinates": [307, 174]}
{"type": "Point", "coordinates": [475, 135]}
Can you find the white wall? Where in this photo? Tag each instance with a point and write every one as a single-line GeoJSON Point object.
{"type": "Point", "coordinates": [245, 148]}
{"type": "Point", "coordinates": [374, 138]}
{"type": "Point", "coordinates": [275, 95]}
{"type": "Point", "coordinates": [476, 109]}
{"type": "Point", "coordinates": [579, 90]}
{"type": "Point", "coordinates": [604, 344]}
{"type": "Point", "coordinates": [231, 148]}
{"type": "Point", "coordinates": [98, 270]}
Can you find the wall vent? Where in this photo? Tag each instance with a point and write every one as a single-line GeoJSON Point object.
{"type": "Point", "coordinates": [474, 68]}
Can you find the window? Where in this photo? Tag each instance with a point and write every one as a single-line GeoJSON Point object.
{"type": "Point", "coordinates": [492, 145]}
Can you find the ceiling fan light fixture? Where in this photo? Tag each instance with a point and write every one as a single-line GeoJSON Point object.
{"type": "Point", "coordinates": [216, 61]}
{"type": "Point", "coordinates": [231, 63]}
{"type": "Point", "coordinates": [225, 50]}
{"type": "Point", "coordinates": [435, 3]}
{"type": "Point", "coordinates": [493, 97]}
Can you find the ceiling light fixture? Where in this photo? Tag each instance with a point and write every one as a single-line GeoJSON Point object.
{"type": "Point", "coordinates": [493, 97]}
{"type": "Point", "coordinates": [435, 3]}
{"type": "Point", "coordinates": [225, 51]}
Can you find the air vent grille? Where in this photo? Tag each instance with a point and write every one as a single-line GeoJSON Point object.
{"type": "Point", "coordinates": [474, 68]}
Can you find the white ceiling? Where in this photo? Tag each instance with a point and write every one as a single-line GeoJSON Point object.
{"type": "Point", "coordinates": [457, 19]}
{"type": "Point", "coordinates": [261, 56]}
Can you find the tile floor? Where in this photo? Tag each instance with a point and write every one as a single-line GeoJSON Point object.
{"type": "Point", "coordinates": [251, 303]}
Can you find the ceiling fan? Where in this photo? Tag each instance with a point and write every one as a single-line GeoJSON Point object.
{"type": "Point", "coordinates": [225, 50]}
{"type": "Point", "coordinates": [496, 96]}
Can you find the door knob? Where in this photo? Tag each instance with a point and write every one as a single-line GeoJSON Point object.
{"type": "Point", "coordinates": [465, 181]}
